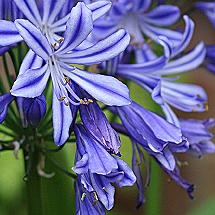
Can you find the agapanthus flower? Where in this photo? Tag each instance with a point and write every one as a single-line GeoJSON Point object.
{"type": "Point", "coordinates": [48, 16]}
{"type": "Point", "coordinates": [57, 64]}
{"type": "Point", "coordinates": [140, 22]}
{"type": "Point", "coordinates": [157, 136]}
{"type": "Point", "coordinates": [98, 169]}
{"type": "Point", "coordinates": [151, 75]}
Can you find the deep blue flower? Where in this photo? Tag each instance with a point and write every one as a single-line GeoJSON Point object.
{"type": "Point", "coordinates": [198, 136]}
{"type": "Point", "coordinates": [97, 124]}
{"type": "Point", "coordinates": [31, 110]}
{"type": "Point", "coordinates": [98, 169]}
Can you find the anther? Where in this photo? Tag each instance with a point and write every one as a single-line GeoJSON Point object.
{"type": "Point", "coordinates": [66, 79]}
{"type": "Point", "coordinates": [60, 40]}
{"type": "Point", "coordinates": [96, 198]}
{"type": "Point", "coordinates": [103, 188]}
{"type": "Point", "coordinates": [62, 98]}
{"type": "Point", "coordinates": [83, 196]}
{"type": "Point", "coordinates": [54, 45]}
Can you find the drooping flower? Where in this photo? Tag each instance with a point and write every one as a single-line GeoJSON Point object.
{"type": "Point", "coordinates": [31, 83]}
{"type": "Point", "coordinates": [98, 169]}
{"type": "Point", "coordinates": [157, 136]}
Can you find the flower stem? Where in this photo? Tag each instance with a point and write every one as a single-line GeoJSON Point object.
{"type": "Point", "coordinates": [153, 205]}
{"type": "Point", "coordinates": [33, 182]}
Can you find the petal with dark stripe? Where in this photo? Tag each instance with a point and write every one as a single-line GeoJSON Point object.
{"type": "Point", "coordinates": [31, 83]}
{"type": "Point", "coordinates": [34, 38]}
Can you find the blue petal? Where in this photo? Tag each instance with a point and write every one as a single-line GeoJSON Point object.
{"type": "Point", "coordinates": [5, 100]}
{"type": "Point", "coordinates": [30, 10]}
{"type": "Point", "coordinates": [100, 161]}
{"type": "Point", "coordinates": [8, 33]}
{"type": "Point", "coordinates": [99, 8]}
{"type": "Point", "coordinates": [62, 119]}
{"type": "Point", "coordinates": [103, 50]}
{"type": "Point", "coordinates": [31, 61]}
{"type": "Point", "coordinates": [34, 38]}
{"type": "Point", "coordinates": [31, 83]}
{"type": "Point", "coordinates": [185, 63]}
{"type": "Point", "coordinates": [163, 15]}
{"type": "Point", "coordinates": [51, 9]}
{"type": "Point", "coordinates": [106, 89]}
{"type": "Point", "coordinates": [78, 27]}
{"type": "Point", "coordinates": [166, 158]}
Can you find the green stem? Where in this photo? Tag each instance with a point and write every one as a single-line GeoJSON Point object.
{"type": "Point", "coordinates": [153, 194]}
{"type": "Point", "coordinates": [33, 183]}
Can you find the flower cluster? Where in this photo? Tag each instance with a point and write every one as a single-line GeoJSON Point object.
{"type": "Point", "coordinates": [74, 61]}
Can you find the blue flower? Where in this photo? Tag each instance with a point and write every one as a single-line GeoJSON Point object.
{"type": "Point", "coordinates": [31, 110]}
{"type": "Point", "coordinates": [97, 124]}
{"type": "Point", "coordinates": [157, 136]}
{"type": "Point", "coordinates": [140, 22]}
{"type": "Point", "coordinates": [31, 83]}
{"type": "Point", "coordinates": [47, 15]}
{"type": "Point", "coordinates": [198, 136]}
{"type": "Point", "coordinates": [98, 169]}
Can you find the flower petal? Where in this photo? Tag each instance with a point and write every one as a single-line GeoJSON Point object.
{"type": "Point", "coordinates": [8, 33]}
{"type": "Point", "coordinates": [99, 8]}
{"type": "Point", "coordinates": [163, 15]}
{"type": "Point", "coordinates": [34, 38]}
{"type": "Point", "coordinates": [103, 50]}
{"type": "Point", "coordinates": [30, 10]}
{"type": "Point", "coordinates": [31, 61]}
{"type": "Point", "coordinates": [62, 119]}
{"type": "Point", "coordinates": [78, 27]}
{"type": "Point", "coordinates": [31, 83]}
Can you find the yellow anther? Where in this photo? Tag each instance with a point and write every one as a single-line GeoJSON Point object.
{"type": "Point", "coordinates": [67, 103]}
{"type": "Point", "coordinates": [95, 198]}
{"type": "Point", "coordinates": [93, 68]}
{"type": "Point", "coordinates": [67, 79]}
{"type": "Point", "coordinates": [149, 41]}
{"type": "Point", "coordinates": [60, 40]}
{"type": "Point", "coordinates": [62, 98]}
{"type": "Point", "coordinates": [181, 164]}
{"type": "Point", "coordinates": [206, 106]}
{"type": "Point", "coordinates": [83, 196]}
{"type": "Point", "coordinates": [194, 110]}
{"type": "Point", "coordinates": [54, 45]}
{"type": "Point", "coordinates": [81, 101]}
{"type": "Point", "coordinates": [103, 188]}
{"type": "Point", "coordinates": [90, 100]}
